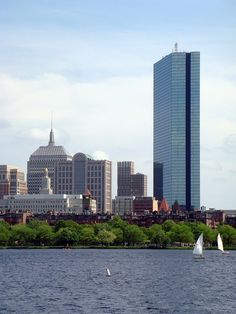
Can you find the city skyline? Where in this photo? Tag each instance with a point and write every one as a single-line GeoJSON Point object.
{"type": "Point", "coordinates": [67, 58]}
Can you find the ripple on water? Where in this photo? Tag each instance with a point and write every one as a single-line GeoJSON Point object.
{"type": "Point", "coordinates": [142, 281]}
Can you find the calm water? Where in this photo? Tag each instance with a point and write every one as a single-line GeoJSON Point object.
{"type": "Point", "coordinates": [142, 281]}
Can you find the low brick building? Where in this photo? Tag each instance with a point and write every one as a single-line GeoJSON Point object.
{"type": "Point", "coordinates": [144, 205]}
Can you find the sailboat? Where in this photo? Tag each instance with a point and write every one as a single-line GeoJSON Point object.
{"type": "Point", "coordinates": [220, 245]}
{"type": "Point", "coordinates": [198, 248]}
{"type": "Point", "coordinates": [108, 272]}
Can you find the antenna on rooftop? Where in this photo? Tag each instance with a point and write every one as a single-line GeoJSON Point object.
{"type": "Point", "coordinates": [176, 47]}
{"type": "Point", "coordinates": [51, 120]}
{"type": "Point", "coordinates": [51, 137]}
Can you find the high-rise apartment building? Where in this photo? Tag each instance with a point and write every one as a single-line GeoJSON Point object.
{"type": "Point", "coordinates": [177, 129]}
{"type": "Point", "coordinates": [12, 181]}
{"type": "Point", "coordinates": [124, 171]}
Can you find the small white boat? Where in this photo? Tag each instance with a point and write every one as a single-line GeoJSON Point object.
{"type": "Point", "coordinates": [108, 272]}
{"type": "Point", "coordinates": [220, 245]}
{"type": "Point", "coordinates": [198, 248]}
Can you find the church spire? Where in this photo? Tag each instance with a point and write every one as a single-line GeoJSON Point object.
{"type": "Point", "coordinates": [51, 138]}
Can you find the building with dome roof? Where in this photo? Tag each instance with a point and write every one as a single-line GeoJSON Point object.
{"type": "Point", "coordinates": [45, 157]}
{"type": "Point", "coordinates": [70, 174]}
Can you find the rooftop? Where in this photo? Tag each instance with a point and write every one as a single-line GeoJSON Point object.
{"type": "Point", "coordinates": [51, 149]}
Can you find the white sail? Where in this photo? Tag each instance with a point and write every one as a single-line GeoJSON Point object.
{"type": "Point", "coordinates": [220, 243]}
{"type": "Point", "coordinates": [198, 248]}
{"type": "Point", "coordinates": [108, 272]}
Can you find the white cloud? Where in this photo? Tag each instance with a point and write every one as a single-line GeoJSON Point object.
{"type": "Point", "coordinates": [110, 118]}
{"type": "Point", "coordinates": [100, 155]}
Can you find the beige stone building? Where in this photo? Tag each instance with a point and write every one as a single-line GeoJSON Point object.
{"type": "Point", "coordinates": [12, 181]}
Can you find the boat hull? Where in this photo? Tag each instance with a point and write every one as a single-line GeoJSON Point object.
{"type": "Point", "coordinates": [225, 253]}
{"type": "Point", "coordinates": [198, 257]}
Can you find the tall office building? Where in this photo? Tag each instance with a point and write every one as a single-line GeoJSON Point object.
{"type": "Point", "coordinates": [45, 157]}
{"type": "Point", "coordinates": [177, 129]}
{"type": "Point", "coordinates": [128, 182]}
{"type": "Point", "coordinates": [139, 185]}
{"type": "Point", "coordinates": [83, 173]}
{"type": "Point", "coordinates": [124, 171]}
{"type": "Point", "coordinates": [94, 175]}
{"type": "Point", "coordinates": [99, 183]}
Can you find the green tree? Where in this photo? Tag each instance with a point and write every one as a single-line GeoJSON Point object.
{"type": "Point", "coordinates": [5, 224]}
{"type": "Point", "coordinates": [106, 237]}
{"type": "Point", "coordinates": [44, 235]}
{"type": "Point", "coordinates": [101, 226]}
{"type": "Point", "coordinates": [22, 235]}
{"type": "Point", "coordinates": [118, 232]}
{"type": "Point", "coordinates": [168, 225]}
{"type": "Point", "coordinates": [181, 232]}
{"type": "Point", "coordinates": [117, 222]}
{"type": "Point", "coordinates": [4, 234]}
{"type": "Point", "coordinates": [87, 235]}
{"type": "Point", "coordinates": [209, 235]}
{"type": "Point", "coordinates": [228, 234]}
{"type": "Point", "coordinates": [186, 236]}
{"type": "Point", "coordinates": [67, 224]}
{"type": "Point", "coordinates": [66, 236]}
{"type": "Point", "coordinates": [185, 233]}
{"type": "Point", "coordinates": [134, 235]}
{"type": "Point", "coordinates": [158, 236]}
{"type": "Point", "coordinates": [35, 223]}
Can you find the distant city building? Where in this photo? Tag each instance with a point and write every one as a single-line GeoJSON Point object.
{"type": "Point", "coordinates": [84, 173]}
{"type": "Point", "coordinates": [124, 171]}
{"type": "Point", "coordinates": [144, 205]}
{"type": "Point", "coordinates": [89, 203]}
{"type": "Point", "coordinates": [100, 184]}
{"type": "Point", "coordinates": [71, 175]}
{"type": "Point", "coordinates": [129, 183]}
{"type": "Point", "coordinates": [124, 205]}
{"type": "Point", "coordinates": [63, 178]}
{"type": "Point", "coordinates": [43, 203]}
{"type": "Point", "coordinates": [12, 181]}
{"type": "Point", "coordinates": [45, 157]}
{"type": "Point", "coordinates": [177, 129]}
{"type": "Point", "coordinates": [164, 206]}
{"type": "Point", "coordinates": [48, 202]}
{"type": "Point", "coordinates": [80, 173]}
{"type": "Point", "coordinates": [139, 184]}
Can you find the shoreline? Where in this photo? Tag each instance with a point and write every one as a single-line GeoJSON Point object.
{"type": "Point", "coordinates": [75, 247]}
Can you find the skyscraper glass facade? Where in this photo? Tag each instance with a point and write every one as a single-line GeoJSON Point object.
{"type": "Point", "coordinates": [177, 129]}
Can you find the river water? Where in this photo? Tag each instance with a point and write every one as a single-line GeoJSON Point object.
{"type": "Point", "coordinates": [142, 281]}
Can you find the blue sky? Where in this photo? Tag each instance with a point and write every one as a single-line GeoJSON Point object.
{"type": "Point", "coordinates": [90, 62]}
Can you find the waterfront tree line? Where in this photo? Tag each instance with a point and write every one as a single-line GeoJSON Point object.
{"type": "Point", "coordinates": [116, 232]}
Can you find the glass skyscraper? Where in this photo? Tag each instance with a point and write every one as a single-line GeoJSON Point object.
{"type": "Point", "coordinates": [176, 166]}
